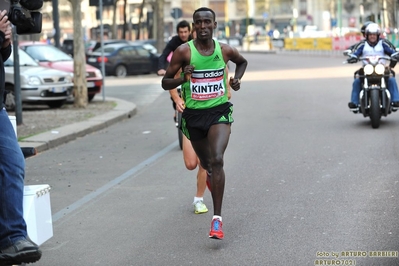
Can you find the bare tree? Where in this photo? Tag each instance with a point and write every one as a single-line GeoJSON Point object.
{"type": "Point", "coordinates": [150, 26]}
{"type": "Point", "coordinates": [124, 20]}
{"type": "Point", "coordinates": [79, 60]}
{"type": "Point", "coordinates": [140, 18]}
{"type": "Point", "coordinates": [114, 25]}
{"type": "Point", "coordinates": [160, 24]}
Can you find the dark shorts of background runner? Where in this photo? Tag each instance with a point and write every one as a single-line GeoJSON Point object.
{"type": "Point", "coordinates": [173, 103]}
{"type": "Point", "coordinates": [196, 122]}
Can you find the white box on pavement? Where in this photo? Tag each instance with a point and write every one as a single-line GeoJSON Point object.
{"type": "Point", "coordinates": [37, 213]}
{"type": "Point", "coordinates": [13, 120]}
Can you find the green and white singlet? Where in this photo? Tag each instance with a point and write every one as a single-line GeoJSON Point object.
{"type": "Point", "coordinates": [207, 87]}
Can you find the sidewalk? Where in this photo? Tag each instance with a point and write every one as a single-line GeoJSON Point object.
{"type": "Point", "coordinates": [64, 134]}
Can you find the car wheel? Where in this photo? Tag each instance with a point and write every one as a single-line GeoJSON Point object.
{"type": "Point", "coordinates": [120, 71]}
{"type": "Point", "coordinates": [10, 98]}
{"type": "Point", "coordinates": [90, 97]}
{"type": "Point", "coordinates": [56, 104]}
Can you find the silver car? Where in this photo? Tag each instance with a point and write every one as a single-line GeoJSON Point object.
{"type": "Point", "coordinates": [39, 85]}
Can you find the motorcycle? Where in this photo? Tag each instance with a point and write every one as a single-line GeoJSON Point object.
{"type": "Point", "coordinates": [374, 99]}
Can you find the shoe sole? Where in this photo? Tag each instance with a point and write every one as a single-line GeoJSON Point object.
{"type": "Point", "coordinates": [23, 257]}
{"type": "Point", "coordinates": [200, 212]}
{"type": "Point", "coordinates": [216, 237]}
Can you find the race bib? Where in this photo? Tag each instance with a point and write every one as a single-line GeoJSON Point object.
{"type": "Point", "coordinates": [207, 84]}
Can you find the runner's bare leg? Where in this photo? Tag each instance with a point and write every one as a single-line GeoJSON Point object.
{"type": "Point", "coordinates": [210, 151]}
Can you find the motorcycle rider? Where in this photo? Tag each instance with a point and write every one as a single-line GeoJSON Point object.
{"type": "Point", "coordinates": [353, 47]}
{"type": "Point", "coordinates": [372, 46]}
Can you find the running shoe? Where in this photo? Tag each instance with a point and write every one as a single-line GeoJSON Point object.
{"type": "Point", "coordinates": [216, 229]}
{"type": "Point", "coordinates": [208, 181]}
{"type": "Point", "coordinates": [200, 207]}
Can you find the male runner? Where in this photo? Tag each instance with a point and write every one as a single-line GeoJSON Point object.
{"type": "Point", "coordinates": [207, 116]}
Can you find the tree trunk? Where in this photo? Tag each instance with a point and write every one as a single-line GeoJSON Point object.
{"type": "Point", "coordinates": [140, 18]}
{"type": "Point", "coordinates": [124, 20]}
{"type": "Point", "coordinates": [160, 24]}
{"type": "Point", "coordinates": [79, 59]}
{"type": "Point", "coordinates": [114, 26]}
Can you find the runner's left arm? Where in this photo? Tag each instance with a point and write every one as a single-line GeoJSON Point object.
{"type": "Point", "coordinates": [232, 54]}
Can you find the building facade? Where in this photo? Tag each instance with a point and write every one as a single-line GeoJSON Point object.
{"type": "Point", "coordinates": [235, 17]}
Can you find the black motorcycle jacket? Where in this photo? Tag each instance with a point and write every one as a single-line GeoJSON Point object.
{"type": "Point", "coordinates": [5, 54]}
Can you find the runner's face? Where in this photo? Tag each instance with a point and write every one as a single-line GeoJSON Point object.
{"type": "Point", "coordinates": [204, 24]}
{"type": "Point", "coordinates": [183, 34]}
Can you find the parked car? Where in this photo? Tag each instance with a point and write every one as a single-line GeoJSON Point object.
{"type": "Point", "coordinates": [94, 45]}
{"type": "Point", "coordinates": [38, 84]}
{"type": "Point", "coordinates": [122, 59]}
{"type": "Point", "coordinates": [148, 44]}
{"type": "Point", "coordinates": [89, 46]}
{"type": "Point", "coordinates": [52, 57]}
{"type": "Point", "coordinates": [67, 46]}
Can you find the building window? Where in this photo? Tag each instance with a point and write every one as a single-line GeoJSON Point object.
{"type": "Point", "coordinates": [218, 7]}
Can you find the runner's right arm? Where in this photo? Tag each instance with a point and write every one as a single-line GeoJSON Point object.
{"type": "Point", "coordinates": [176, 97]}
{"type": "Point", "coordinates": [180, 60]}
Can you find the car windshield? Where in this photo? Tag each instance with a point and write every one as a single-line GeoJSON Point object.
{"type": "Point", "coordinates": [47, 53]}
{"type": "Point", "coordinates": [149, 47]}
{"type": "Point", "coordinates": [24, 59]}
{"type": "Point", "coordinates": [107, 49]}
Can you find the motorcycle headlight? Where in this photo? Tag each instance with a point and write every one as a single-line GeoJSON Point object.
{"type": "Point", "coordinates": [379, 69]}
{"type": "Point", "coordinates": [368, 69]}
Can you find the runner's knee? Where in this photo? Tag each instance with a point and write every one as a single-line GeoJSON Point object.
{"type": "Point", "coordinates": [190, 165]}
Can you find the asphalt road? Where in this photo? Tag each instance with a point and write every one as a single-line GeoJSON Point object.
{"type": "Point", "coordinates": [305, 178]}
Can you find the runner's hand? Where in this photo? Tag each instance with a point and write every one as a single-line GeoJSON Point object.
{"type": "Point", "coordinates": [235, 84]}
{"type": "Point", "coordinates": [180, 105]}
{"type": "Point", "coordinates": [161, 72]}
{"type": "Point", "coordinates": [188, 70]}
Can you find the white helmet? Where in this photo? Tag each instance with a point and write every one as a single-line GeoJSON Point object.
{"type": "Point", "coordinates": [373, 28]}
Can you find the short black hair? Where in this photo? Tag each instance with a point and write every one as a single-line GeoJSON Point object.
{"type": "Point", "coordinates": [183, 24]}
{"type": "Point", "coordinates": [205, 9]}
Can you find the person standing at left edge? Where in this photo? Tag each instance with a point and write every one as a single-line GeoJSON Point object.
{"type": "Point", "coordinates": [206, 119]}
{"type": "Point", "coordinates": [15, 246]}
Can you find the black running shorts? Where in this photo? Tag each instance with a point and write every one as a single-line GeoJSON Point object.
{"type": "Point", "coordinates": [196, 122]}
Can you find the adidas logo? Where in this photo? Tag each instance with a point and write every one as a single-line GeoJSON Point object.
{"type": "Point", "coordinates": [222, 119]}
{"type": "Point", "coordinates": [216, 58]}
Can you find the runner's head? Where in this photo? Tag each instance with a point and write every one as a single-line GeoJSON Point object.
{"type": "Point", "coordinates": [204, 23]}
{"type": "Point", "coordinates": [183, 30]}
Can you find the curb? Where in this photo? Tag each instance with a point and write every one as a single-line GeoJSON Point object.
{"type": "Point", "coordinates": [64, 134]}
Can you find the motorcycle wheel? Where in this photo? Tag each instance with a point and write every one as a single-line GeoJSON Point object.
{"type": "Point", "coordinates": [375, 109]}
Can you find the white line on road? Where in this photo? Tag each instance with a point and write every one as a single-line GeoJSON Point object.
{"type": "Point", "coordinates": [77, 204]}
